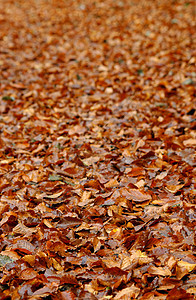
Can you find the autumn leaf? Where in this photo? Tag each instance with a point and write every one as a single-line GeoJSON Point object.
{"type": "Point", "coordinates": [55, 195]}
{"type": "Point", "coordinates": [55, 177]}
{"type": "Point", "coordinates": [128, 293]}
{"type": "Point", "coordinates": [136, 195]}
{"type": "Point", "coordinates": [4, 259]}
{"type": "Point", "coordinates": [97, 150]}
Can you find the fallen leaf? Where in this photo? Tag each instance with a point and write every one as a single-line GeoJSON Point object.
{"type": "Point", "coordinates": [4, 259]}
{"type": "Point", "coordinates": [28, 274]}
{"type": "Point", "coordinates": [85, 199]}
{"type": "Point", "coordinates": [128, 293]}
{"type": "Point", "coordinates": [159, 271]}
{"type": "Point", "coordinates": [55, 177]}
{"type": "Point", "coordinates": [189, 142]}
{"type": "Point", "coordinates": [55, 195]}
{"type": "Point", "coordinates": [97, 150]}
{"type": "Point", "coordinates": [136, 195]}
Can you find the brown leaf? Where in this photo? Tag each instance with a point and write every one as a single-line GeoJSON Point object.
{"type": "Point", "coordinates": [85, 199]}
{"type": "Point", "coordinates": [24, 246]}
{"type": "Point", "coordinates": [97, 150]}
{"type": "Point", "coordinates": [6, 161]}
{"type": "Point", "coordinates": [24, 230]}
{"type": "Point", "coordinates": [190, 142]}
{"type": "Point", "coordinates": [11, 254]}
{"type": "Point", "coordinates": [136, 195]}
{"type": "Point", "coordinates": [69, 279]}
{"type": "Point", "coordinates": [68, 222]}
{"type": "Point", "coordinates": [67, 295]}
{"type": "Point", "coordinates": [128, 293]}
{"type": "Point", "coordinates": [96, 244]}
{"type": "Point", "coordinates": [159, 271]}
{"type": "Point", "coordinates": [183, 268]}
{"type": "Point", "coordinates": [55, 195]}
{"type": "Point", "coordinates": [179, 294]}
{"type": "Point", "coordinates": [28, 274]}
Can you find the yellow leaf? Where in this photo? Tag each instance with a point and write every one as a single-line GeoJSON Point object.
{"type": "Point", "coordinates": [30, 259]}
{"type": "Point", "coordinates": [191, 290]}
{"type": "Point", "coordinates": [47, 223]}
{"type": "Point", "coordinates": [90, 160]}
{"type": "Point", "coordinates": [189, 142]}
{"type": "Point", "coordinates": [56, 265]}
{"type": "Point", "coordinates": [162, 271]}
{"type": "Point", "coordinates": [85, 199]}
{"type": "Point", "coordinates": [186, 265]}
{"type": "Point", "coordinates": [7, 161]}
{"type": "Point", "coordinates": [111, 183]}
{"type": "Point", "coordinates": [54, 195]}
{"type": "Point", "coordinates": [128, 293]}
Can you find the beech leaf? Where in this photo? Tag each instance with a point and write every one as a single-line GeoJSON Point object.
{"type": "Point", "coordinates": [4, 259]}
{"type": "Point", "coordinates": [97, 150]}
{"type": "Point", "coordinates": [55, 177]}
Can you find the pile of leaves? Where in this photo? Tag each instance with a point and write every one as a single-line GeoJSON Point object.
{"type": "Point", "coordinates": [97, 150]}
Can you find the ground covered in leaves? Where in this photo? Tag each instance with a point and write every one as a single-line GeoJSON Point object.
{"type": "Point", "coordinates": [97, 150]}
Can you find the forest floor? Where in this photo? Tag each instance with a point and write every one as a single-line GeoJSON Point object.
{"type": "Point", "coordinates": [97, 150]}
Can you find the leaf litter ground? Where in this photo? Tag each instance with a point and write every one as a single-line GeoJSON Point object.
{"type": "Point", "coordinates": [97, 150]}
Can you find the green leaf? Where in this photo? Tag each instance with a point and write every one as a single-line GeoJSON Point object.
{"type": "Point", "coordinates": [78, 77]}
{"type": "Point", "coordinates": [68, 182]}
{"type": "Point", "coordinates": [55, 177]}
{"type": "Point", "coordinates": [161, 104]}
{"type": "Point", "coordinates": [148, 33]}
{"type": "Point", "coordinates": [8, 98]}
{"type": "Point", "coordinates": [32, 183]}
{"type": "Point", "coordinates": [174, 21]}
{"type": "Point", "coordinates": [59, 146]}
{"type": "Point", "coordinates": [188, 81]}
{"type": "Point", "coordinates": [4, 259]}
{"type": "Point", "coordinates": [121, 61]}
{"type": "Point", "coordinates": [140, 72]}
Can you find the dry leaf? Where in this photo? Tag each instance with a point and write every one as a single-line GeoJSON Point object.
{"type": "Point", "coordinates": [136, 195]}
{"type": "Point", "coordinates": [189, 142]}
{"type": "Point", "coordinates": [128, 293]}
{"type": "Point", "coordinates": [85, 199]}
{"type": "Point", "coordinates": [56, 195]}
{"type": "Point", "coordinates": [97, 150]}
{"type": "Point", "coordinates": [28, 274]}
{"type": "Point", "coordinates": [159, 271]}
